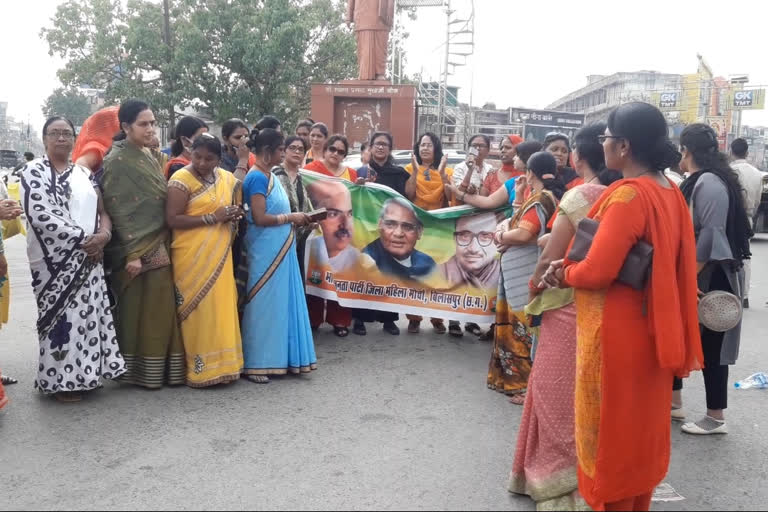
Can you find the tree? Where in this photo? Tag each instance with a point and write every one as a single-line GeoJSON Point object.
{"type": "Point", "coordinates": [68, 103]}
{"type": "Point", "coordinates": [236, 58]}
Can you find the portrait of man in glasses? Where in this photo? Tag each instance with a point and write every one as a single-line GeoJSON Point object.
{"type": "Point", "coordinates": [394, 252]}
{"type": "Point", "coordinates": [338, 228]}
{"type": "Point", "coordinates": [475, 263]}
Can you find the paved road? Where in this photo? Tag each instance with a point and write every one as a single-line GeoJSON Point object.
{"type": "Point", "coordinates": [386, 423]}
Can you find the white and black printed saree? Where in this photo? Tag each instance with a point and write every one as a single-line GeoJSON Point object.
{"type": "Point", "coordinates": [78, 345]}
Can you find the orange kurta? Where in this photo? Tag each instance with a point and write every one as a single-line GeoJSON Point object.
{"type": "Point", "coordinates": [626, 358]}
{"type": "Point", "coordinates": [318, 166]}
{"type": "Point", "coordinates": [430, 191]}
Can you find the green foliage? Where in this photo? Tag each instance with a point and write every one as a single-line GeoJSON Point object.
{"type": "Point", "coordinates": [68, 103]}
{"type": "Point", "coordinates": [234, 58]}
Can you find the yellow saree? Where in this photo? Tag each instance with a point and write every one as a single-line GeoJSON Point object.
{"type": "Point", "coordinates": [205, 283]}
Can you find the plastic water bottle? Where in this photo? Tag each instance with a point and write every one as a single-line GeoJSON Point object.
{"type": "Point", "coordinates": [758, 380]}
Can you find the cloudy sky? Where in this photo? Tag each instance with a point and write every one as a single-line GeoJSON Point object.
{"type": "Point", "coordinates": [527, 54]}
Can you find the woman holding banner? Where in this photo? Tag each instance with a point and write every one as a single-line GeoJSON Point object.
{"type": "Point", "coordinates": [429, 188]}
{"type": "Point", "coordinates": [517, 239]}
{"type": "Point", "coordinates": [276, 341]}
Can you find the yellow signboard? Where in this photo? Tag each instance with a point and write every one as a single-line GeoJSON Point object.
{"type": "Point", "coordinates": [748, 99]}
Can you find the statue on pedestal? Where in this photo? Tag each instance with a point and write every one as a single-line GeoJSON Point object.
{"type": "Point", "coordinates": [373, 21]}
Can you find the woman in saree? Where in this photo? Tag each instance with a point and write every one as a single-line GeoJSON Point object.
{"type": "Point", "coordinates": [276, 340]}
{"type": "Point", "coordinates": [630, 342]}
{"type": "Point", "coordinates": [496, 179]}
{"type": "Point", "coordinates": [135, 193]}
{"type": "Point", "coordinates": [288, 174]}
{"type": "Point", "coordinates": [9, 210]}
{"type": "Point", "coordinates": [68, 231]}
{"type": "Point", "coordinates": [186, 130]}
{"type": "Point", "coordinates": [516, 238]}
{"type": "Point", "coordinates": [545, 459]}
{"type": "Point", "coordinates": [203, 211]}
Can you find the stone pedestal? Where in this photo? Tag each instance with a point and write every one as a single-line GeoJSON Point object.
{"type": "Point", "coordinates": [358, 108]}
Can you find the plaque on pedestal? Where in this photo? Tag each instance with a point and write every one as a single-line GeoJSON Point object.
{"type": "Point", "coordinates": [358, 108]}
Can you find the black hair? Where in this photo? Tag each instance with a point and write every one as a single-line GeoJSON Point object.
{"type": "Point", "coordinates": [438, 149]}
{"type": "Point", "coordinates": [229, 127]}
{"type": "Point", "coordinates": [186, 127]}
{"type": "Point", "coordinates": [320, 126]}
{"type": "Point", "coordinates": [266, 140]}
{"type": "Point", "coordinates": [700, 140]}
{"type": "Point", "coordinates": [29, 156]}
{"type": "Point", "coordinates": [52, 120]}
{"type": "Point", "coordinates": [526, 149]}
{"type": "Point", "coordinates": [304, 123]}
{"type": "Point", "coordinates": [590, 149]}
{"type": "Point", "coordinates": [552, 137]}
{"type": "Point", "coordinates": [739, 148]}
{"type": "Point", "coordinates": [483, 136]}
{"type": "Point", "coordinates": [389, 138]}
{"type": "Point", "coordinates": [364, 146]}
{"type": "Point", "coordinates": [209, 142]}
{"type": "Point", "coordinates": [645, 128]}
{"type": "Point", "coordinates": [128, 113]}
{"type": "Point", "coordinates": [295, 138]}
{"type": "Point", "coordinates": [333, 139]}
{"type": "Point", "coordinates": [543, 163]}
{"type": "Point", "coordinates": [267, 122]}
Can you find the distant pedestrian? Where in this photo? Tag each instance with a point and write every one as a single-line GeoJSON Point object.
{"type": "Point", "coordinates": [365, 159]}
{"type": "Point", "coordinates": [303, 128]}
{"type": "Point", "coordinates": [69, 229]}
{"type": "Point", "coordinates": [751, 181]}
{"type": "Point", "coordinates": [715, 198]}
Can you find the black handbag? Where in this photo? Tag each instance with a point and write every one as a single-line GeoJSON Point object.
{"type": "Point", "coordinates": [637, 267]}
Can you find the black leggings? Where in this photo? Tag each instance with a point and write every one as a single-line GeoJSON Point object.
{"type": "Point", "coordinates": [715, 374]}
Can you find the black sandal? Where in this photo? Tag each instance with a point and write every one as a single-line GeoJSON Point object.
{"type": "Point", "coordinates": [7, 381]}
{"type": "Point", "coordinates": [341, 332]}
{"type": "Point", "coordinates": [359, 328]}
{"type": "Point", "coordinates": [473, 329]}
{"type": "Point", "coordinates": [455, 330]}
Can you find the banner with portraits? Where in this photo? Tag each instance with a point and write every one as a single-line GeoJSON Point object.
{"type": "Point", "coordinates": [376, 250]}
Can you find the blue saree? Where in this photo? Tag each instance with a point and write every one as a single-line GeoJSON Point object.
{"type": "Point", "coordinates": [277, 337]}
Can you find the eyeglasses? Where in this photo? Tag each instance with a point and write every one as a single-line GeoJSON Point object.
{"type": "Point", "coordinates": [381, 145]}
{"type": "Point", "coordinates": [55, 134]}
{"type": "Point", "coordinates": [333, 213]}
{"type": "Point", "coordinates": [392, 225]}
{"type": "Point", "coordinates": [334, 150]}
{"type": "Point", "coordinates": [295, 149]}
{"type": "Point", "coordinates": [464, 238]}
{"type": "Point", "coordinates": [602, 138]}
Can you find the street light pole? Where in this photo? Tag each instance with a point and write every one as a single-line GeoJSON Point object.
{"type": "Point", "coordinates": [169, 58]}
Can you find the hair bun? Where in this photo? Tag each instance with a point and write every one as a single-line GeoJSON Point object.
{"type": "Point", "coordinates": [665, 155]}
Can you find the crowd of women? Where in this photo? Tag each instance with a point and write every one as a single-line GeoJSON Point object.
{"type": "Point", "coordinates": [166, 269]}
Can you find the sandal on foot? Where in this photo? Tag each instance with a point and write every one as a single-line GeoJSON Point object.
{"type": "Point", "coordinates": [391, 328]}
{"type": "Point", "coordinates": [7, 381]}
{"type": "Point", "coordinates": [68, 397]}
{"type": "Point", "coordinates": [488, 336]}
{"type": "Point", "coordinates": [414, 327]}
{"type": "Point", "coordinates": [705, 427]}
{"type": "Point", "coordinates": [439, 327]}
{"type": "Point", "coordinates": [518, 399]}
{"type": "Point", "coordinates": [341, 332]}
{"type": "Point", "coordinates": [258, 379]}
{"type": "Point", "coordinates": [677, 414]}
{"type": "Point", "coordinates": [455, 330]}
{"type": "Point", "coordinates": [359, 328]}
{"type": "Point", "coordinates": [473, 329]}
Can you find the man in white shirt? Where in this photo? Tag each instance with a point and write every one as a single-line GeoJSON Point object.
{"type": "Point", "coordinates": [480, 168]}
{"type": "Point", "coordinates": [751, 181]}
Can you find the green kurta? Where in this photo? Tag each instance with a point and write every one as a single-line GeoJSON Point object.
{"type": "Point", "coordinates": [147, 328]}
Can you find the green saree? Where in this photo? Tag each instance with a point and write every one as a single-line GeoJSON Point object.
{"type": "Point", "coordinates": [134, 193]}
